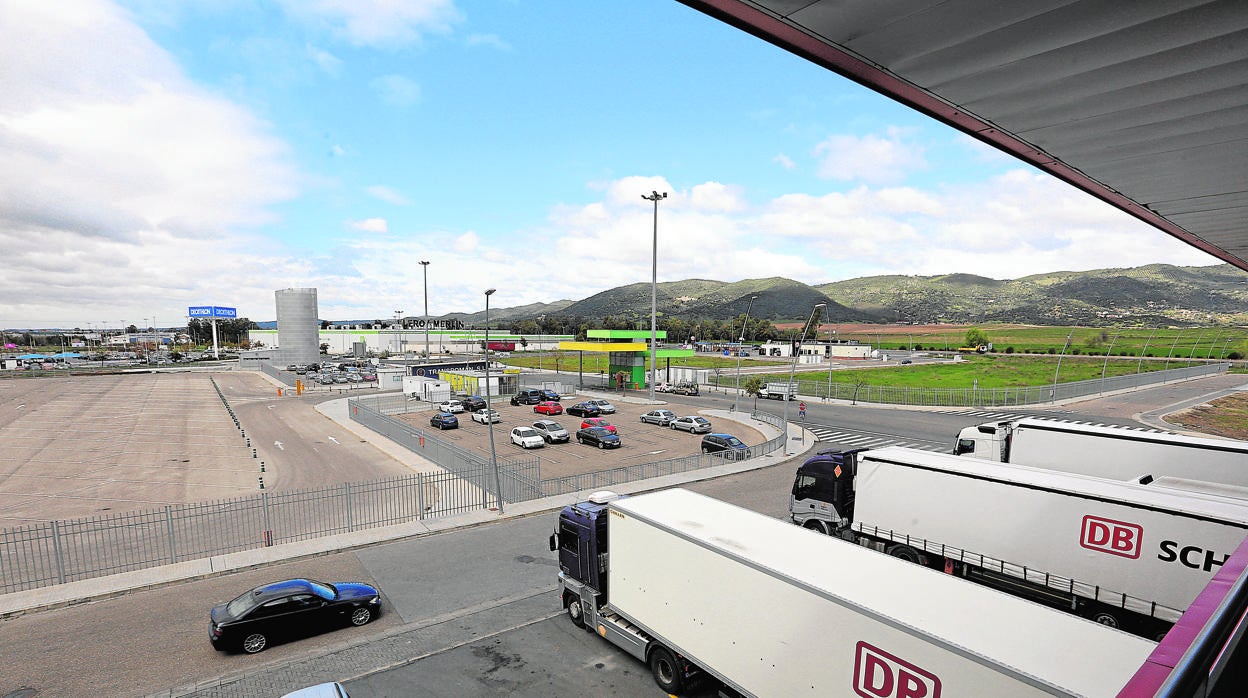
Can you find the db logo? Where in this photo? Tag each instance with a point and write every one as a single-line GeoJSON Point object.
{"type": "Point", "coordinates": [878, 674]}
{"type": "Point", "coordinates": [1113, 537]}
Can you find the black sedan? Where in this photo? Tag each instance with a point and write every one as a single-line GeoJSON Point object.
{"type": "Point", "coordinates": [584, 409]}
{"type": "Point", "coordinates": [289, 608]}
{"type": "Point", "coordinates": [597, 436]}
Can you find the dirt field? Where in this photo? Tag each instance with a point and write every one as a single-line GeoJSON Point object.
{"type": "Point", "coordinates": [1226, 416]}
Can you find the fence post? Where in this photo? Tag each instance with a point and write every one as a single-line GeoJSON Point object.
{"type": "Point", "coordinates": [173, 551]}
{"type": "Point", "coordinates": [56, 550]}
{"type": "Point", "coordinates": [420, 496]}
{"type": "Point", "coordinates": [264, 507]}
{"type": "Point", "coordinates": [346, 486]}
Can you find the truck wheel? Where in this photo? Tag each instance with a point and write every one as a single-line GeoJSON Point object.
{"type": "Point", "coordinates": [576, 613]}
{"type": "Point", "coordinates": [665, 669]}
{"type": "Point", "coordinates": [1105, 617]}
{"type": "Point", "coordinates": [816, 525]}
{"type": "Point", "coordinates": [904, 552]}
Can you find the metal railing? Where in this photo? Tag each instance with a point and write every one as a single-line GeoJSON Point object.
{"type": "Point", "coordinates": [57, 552]}
{"type": "Point", "coordinates": [989, 397]}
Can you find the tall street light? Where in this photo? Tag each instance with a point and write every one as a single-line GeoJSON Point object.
{"type": "Point", "coordinates": [654, 288]}
{"type": "Point", "coordinates": [398, 326]}
{"type": "Point", "coordinates": [788, 396]}
{"type": "Point", "coordinates": [489, 420]}
{"type": "Point", "coordinates": [424, 268]}
{"type": "Point", "coordinates": [1053, 391]}
{"type": "Point", "coordinates": [739, 343]}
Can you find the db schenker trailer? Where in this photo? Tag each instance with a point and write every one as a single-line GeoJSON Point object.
{"type": "Point", "coordinates": [1121, 553]}
{"type": "Point", "coordinates": [694, 587]}
{"type": "Point", "coordinates": [1117, 453]}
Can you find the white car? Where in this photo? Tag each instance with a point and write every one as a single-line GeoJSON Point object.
{"type": "Point", "coordinates": [604, 406]}
{"type": "Point", "coordinates": [486, 416]}
{"type": "Point", "coordinates": [452, 406]}
{"type": "Point", "coordinates": [663, 388]}
{"type": "Point", "coordinates": [527, 437]}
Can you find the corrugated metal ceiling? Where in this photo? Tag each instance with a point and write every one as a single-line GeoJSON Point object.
{"type": "Point", "coordinates": [1143, 103]}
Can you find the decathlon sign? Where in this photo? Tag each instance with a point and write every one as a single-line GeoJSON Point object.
{"type": "Point", "coordinates": [211, 311]}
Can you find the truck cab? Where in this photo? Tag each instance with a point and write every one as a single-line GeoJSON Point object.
{"type": "Point", "coordinates": [823, 491]}
{"type": "Point", "coordinates": [986, 441]}
{"type": "Point", "coordinates": [581, 541]}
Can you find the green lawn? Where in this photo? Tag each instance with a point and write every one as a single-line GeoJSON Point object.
{"type": "Point", "coordinates": [1198, 342]}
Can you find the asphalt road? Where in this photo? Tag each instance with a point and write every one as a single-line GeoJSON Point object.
{"type": "Point", "coordinates": [468, 612]}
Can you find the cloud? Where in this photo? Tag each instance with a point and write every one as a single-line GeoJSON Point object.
{"type": "Point", "coordinates": [785, 161]}
{"type": "Point", "coordinates": [874, 159]}
{"type": "Point", "coordinates": [396, 90]}
{"type": "Point", "coordinates": [140, 183]}
{"type": "Point", "coordinates": [326, 61]}
{"type": "Point", "coordinates": [377, 23]}
{"type": "Point", "coordinates": [370, 225]}
{"type": "Point", "coordinates": [378, 191]}
{"type": "Point", "coordinates": [490, 40]}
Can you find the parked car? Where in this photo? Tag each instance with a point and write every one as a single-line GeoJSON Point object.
{"type": "Point", "coordinates": [286, 609]}
{"type": "Point", "coordinates": [685, 389]}
{"type": "Point", "coordinates": [584, 409]}
{"type": "Point", "coordinates": [692, 424]}
{"type": "Point", "coordinates": [551, 431]}
{"type": "Point", "coordinates": [548, 408]}
{"type": "Point", "coordinates": [714, 443]}
{"type": "Point", "coordinates": [472, 403]}
{"type": "Point", "coordinates": [487, 416]}
{"type": "Point", "coordinates": [552, 395]}
{"type": "Point", "coordinates": [660, 417]}
{"type": "Point", "coordinates": [527, 397]}
{"type": "Point", "coordinates": [527, 437]}
{"type": "Point", "coordinates": [598, 422]}
{"type": "Point", "coordinates": [444, 420]}
{"type": "Point", "coordinates": [368, 376]}
{"type": "Point", "coordinates": [663, 387]}
{"type": "Point", "coordinates": [604, 406]}
{"type": "Point", "coordinates": [453, 406]}
{"type": "Point", "coordinates": [597, 436]}
{"type": "Point", "coordinates": [906, 361]}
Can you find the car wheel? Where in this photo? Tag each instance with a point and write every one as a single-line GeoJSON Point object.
{"type": "Point", "coordinates": [580, 441]}
{"type": "Point", "coordinates": [705, 449]}
{"type": "Point", "coordinates": [254, 643]}
{"type": "Point", "coordinates": [601, 445]}
{"type": "Point", "coordinates": [673, 426]}
{"type": "Point", "coordinates": [361, 616]}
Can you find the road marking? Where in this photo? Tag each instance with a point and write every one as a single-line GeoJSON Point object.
{"type": "Point", "coordinates": [21, 406]}
{"type": "Point", "coordinates": [333, 439]}
{"type": "Point", "coordinates": [279, 445]}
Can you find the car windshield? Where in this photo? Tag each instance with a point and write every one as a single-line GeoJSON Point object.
{"type": "Point", "coordinates": [323, 590]}
{"type": "Point", "coordinates": [241, 605]}
{"type": "Point", "coordinates": [552, 426]}
{"type": "Point", "coordinates": [735, 442]}
{"type": "Point", "coordinates": [525, 432]}
{"type": "Point", "coordinates": [700, 420]}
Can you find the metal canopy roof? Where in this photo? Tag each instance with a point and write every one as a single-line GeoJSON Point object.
{"type": "Point", "coordinates": [1142, 103]}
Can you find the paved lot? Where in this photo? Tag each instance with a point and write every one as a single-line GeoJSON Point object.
{"type": "Point", "coordinates": [640, 443]}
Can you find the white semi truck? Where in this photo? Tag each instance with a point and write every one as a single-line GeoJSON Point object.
{"type": "Point", "coordinates": [1117, 453]}
{"type": "Point", "coordinates": [1120, 553]}
{"type": "Point", "coordinates": [693, 586]}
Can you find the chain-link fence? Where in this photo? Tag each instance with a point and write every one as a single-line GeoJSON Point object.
{"type": "Point", "coordinates": [986, 397]}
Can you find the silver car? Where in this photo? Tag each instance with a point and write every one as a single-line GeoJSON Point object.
{"type": "Point", "coordinates": [604, 406]}
{"type": "Point", "coordinates": [693, 424]}
{"type": "Point", "coordinates": [551, 431]}
{"type": "Point", "coordinates": [660, 417]}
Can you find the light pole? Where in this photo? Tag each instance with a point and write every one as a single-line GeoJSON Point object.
{"type": "Point", "coordinates": [424, 268]}
{"type": "Point", "coordinates": [1140, 364]}
{"type": "Point", "coordinates": [654, 288]}
{"type": "Point", "coordinates": [1053, 392]}
{"type": "Point", "coordinates": [740, 341]}
{"type": "Point", "coordinates": [1105, 366]}
{"type": "Point", "coordinates": [489, 418]}
{"type": "Point", "coordinates": [788, 396]}
{"type": "Point", "coordinates": [398, 331]}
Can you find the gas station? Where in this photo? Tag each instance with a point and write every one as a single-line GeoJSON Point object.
{"type": "Point", "coordinates": [626, 350]}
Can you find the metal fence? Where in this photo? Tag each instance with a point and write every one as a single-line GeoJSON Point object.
{"type": "Point", "coordinates": [64, 551]}
{"type": "Point", "coordinates": [990, 397]}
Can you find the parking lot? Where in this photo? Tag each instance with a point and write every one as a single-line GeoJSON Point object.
{"type": "Point", "coordinates": [639, 443]}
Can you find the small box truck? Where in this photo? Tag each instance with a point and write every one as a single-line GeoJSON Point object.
{"type": "Point", "coordinates": [695, 587]}
{"type": "Point", "coordinates": [1117, 453]}
{"type": "Point", "coordinates": [1120, 553]}
{"type": "Point", "coordinates": [779, 391]}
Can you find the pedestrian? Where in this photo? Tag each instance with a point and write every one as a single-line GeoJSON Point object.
{"type": "Point", "coordinates": [801, 410]}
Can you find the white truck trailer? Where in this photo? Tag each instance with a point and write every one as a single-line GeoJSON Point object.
{"type": "Point", "coordinates": [692, 586]}
{"type": "Point", "coordinates": [779, 391]}
{"type": "Point", "coordinates": [1123, 554]}
{"type": "Point", "coordinates": [1117, 453]}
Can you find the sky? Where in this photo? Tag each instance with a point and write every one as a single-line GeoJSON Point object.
{"type": "Point", "coordinates": [158, 155]}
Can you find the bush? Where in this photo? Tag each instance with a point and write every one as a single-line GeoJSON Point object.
{"type": "Point", "coordinates": [1234, 356]}
{"type": "Point", "coordinates": [1009, 350]}
{"type": "Point", "coordinates": [1052, 350]}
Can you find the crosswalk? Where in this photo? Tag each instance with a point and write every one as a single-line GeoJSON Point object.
{"type": "Point", "coordinates": [858, 439]}
{"type": "Point", "coordinates": [1010, 416]}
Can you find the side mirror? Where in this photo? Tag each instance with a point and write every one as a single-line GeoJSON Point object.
{"type": "Point", "coordinates": [554, 542]}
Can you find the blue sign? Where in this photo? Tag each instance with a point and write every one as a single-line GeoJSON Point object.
{"type": "Point", "coordinates": [211, 311]}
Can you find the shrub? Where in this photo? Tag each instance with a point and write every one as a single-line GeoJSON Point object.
{"type": "Point", "coordinates": [1009, 350]}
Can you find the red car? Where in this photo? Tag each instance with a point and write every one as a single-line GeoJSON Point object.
{"type": "Point", "coordinates": [598, 422]}
{"type": "Point", "coordinates": [548, 408]}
